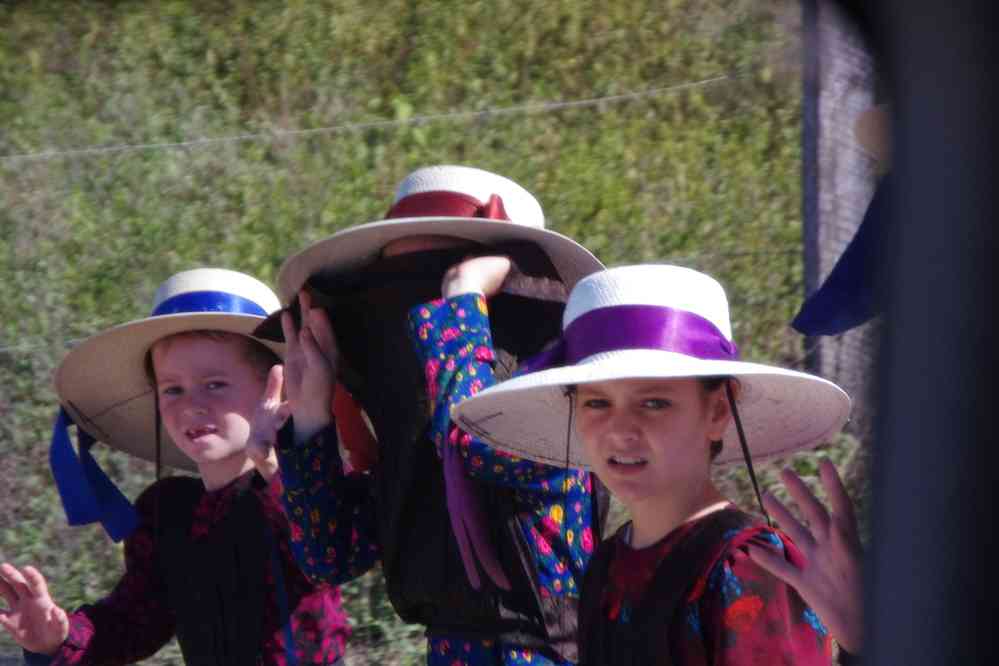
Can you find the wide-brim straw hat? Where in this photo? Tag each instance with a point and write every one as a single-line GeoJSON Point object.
{"type": "Point", "coordinates": [102, 382]}
{"type": "Point", "coordinates": [457, 201]}
{"type": "Point", "coordinates": [650, 322]}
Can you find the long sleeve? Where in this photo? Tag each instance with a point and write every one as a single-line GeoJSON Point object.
{"type": "Point", "coordinates": [331, 514]}
{"type": "Point", "coordinates": [134, 620]}
{"type": "Point", "coordinates": [741, 615]}
{"type": "Point", "coordinates": [453, 341]}
{"type": "Point", "coordinates": [454, 344]}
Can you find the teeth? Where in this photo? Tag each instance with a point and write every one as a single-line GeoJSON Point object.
{"type": "Point", "coordinates": [625, 460]}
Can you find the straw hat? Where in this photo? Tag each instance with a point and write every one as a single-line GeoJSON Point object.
{"type": "Point", "coordinates": [457, 201]}
{"type": "Point", "coordinates": [650, 322]}
{"type": "Point", "coordinates": [102, 381]}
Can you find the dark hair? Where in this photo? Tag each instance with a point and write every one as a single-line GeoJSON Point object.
{"type": "Point", "coordinates": [710, 385]}
{"type": "Point", "coordinates": [257, 354]}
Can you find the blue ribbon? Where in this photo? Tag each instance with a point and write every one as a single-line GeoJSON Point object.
{"type": "Point", "coordinates": [88, 495]}
{"type": "Point", "coordinates": [850, 295]}
{"type": "Point", "coordinates": [208, 301]}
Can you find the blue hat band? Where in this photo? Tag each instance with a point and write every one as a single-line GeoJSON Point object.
{"type": "Point", "coordinates": [220, 302]}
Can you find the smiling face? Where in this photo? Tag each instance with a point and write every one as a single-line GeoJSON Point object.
{"type": "Point", "coordinates": [208, 390]}
{"type": "Point", "coordinates": [649, 440]}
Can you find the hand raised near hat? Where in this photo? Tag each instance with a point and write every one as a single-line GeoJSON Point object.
{"type": "Point", "coordinates": [482, 275]}
{"type": "Point", "coordinates": [32, 618]}
{"type": "Point", "coordinates": [268, 418]}
{"type": "Point", "coordinates": [310, 365]}
{"type": "Point", "coordinates": [830, 581]}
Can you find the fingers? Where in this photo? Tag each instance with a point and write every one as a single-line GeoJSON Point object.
{"type": "Point", "coordinates": [9, 624]}
{"type": "Point", "coordinates": [313, 355]}
{"type": "Point", "coordinates": [839, 500]}
{"type": "Point", "coordinates": [7, 592]}
{"type": "Point", "coordinates": [322, 331]}
{"type": "Point", "coordinates": [281, 415]}
{"type": "Point", "coordinates": [275, 382]}
{"type": "Point", "coordinates": [290, 334]}
{"type": "Point", "coordinates": [777, 565]}
{"type": "Point", "coordinates": [811, 508]}
{"type": "Point", "coordinates": [794, 529]}
{"type": "Point", "coordinates": [304, 302]}
{"type": "Point", "coordinates": [15, 580]}
{"type": "Point", "coordinates": [36, 582]}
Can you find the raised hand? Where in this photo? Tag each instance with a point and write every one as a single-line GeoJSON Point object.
{"type": "Point", "coordinates": [310, 365]}
{"type": "Point", "coordinates": [268, 418]}
{"type": "Point", "coordinates": [830, 582]}
{"type": "Point", "coordinates": [34, 621]}
{"type": "Point", "coordinates": [483, 275]}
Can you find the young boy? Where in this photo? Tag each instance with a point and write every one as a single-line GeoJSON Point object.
{"type": "Point", "coordinates": [642, 389]}
{"type": "Point", "coordinates": [209, 560]}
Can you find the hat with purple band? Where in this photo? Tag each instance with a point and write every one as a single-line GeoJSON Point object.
{"type": "Point", "coordinates": [650, 322]}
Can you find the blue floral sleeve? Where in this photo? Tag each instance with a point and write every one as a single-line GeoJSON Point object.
{"type": "Point", "coordinates": [454, 344]}
{"type": "Point", "coordinates": [332, 514]}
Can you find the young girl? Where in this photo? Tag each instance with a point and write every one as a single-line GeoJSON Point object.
{"type": "Point", "coordinates": [206, 560]}
{"type": "Point", "coordinates": [647, 391]}
{"type": "Point", "coordinates": [467, 543]}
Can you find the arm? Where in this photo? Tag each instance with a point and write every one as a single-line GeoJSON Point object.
{"type": "Point", "coordinates": [95, 632]}
{"type": "Point", "coordinates": [829, 579]}
{"type": "Point", "coordinates": [454, 345]}
{"type": "Point", "coordinates": [331, 514]}
{"type": "Point", "coordinates": [744, 615]}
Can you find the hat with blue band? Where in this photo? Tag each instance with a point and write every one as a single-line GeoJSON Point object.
{"type": "Point", "coordinates": [104, 390]}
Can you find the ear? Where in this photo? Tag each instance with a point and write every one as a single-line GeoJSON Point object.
{"type": "Point", "coordinates": [719, 411]}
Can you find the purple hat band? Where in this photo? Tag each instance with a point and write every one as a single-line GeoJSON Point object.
{"type": "Point", "coordinates": [621, 327]}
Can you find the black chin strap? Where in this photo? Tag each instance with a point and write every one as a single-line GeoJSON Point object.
{"type": "Point", "coordinates": [159, 443]}
{"type": "Point", "coordinates": [745, 449]}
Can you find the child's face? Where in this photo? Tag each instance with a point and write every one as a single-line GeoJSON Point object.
{"type": "Point", "coordinates": [648, 439]}
{"type": "Point", "coordinates": [208, 392]}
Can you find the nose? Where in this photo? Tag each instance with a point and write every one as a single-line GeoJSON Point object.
{"type": "Point", "coordinates": [193, 404]}
{"type": "Point", "coordinates": [622, 429]}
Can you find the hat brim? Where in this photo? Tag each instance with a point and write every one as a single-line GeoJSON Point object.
{"type": "Point", "coordinates": [102, 381]}
{"type": "Point", "coordinates": [529, 416]}
{"type": "Point", "coordinates": [360, 245]}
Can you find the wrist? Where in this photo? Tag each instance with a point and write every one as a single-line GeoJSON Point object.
{"type": "Point", "coordinates": [307, 426]}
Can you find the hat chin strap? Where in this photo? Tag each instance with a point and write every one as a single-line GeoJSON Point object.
{"type": "Point", "coordinates": [745, 449]}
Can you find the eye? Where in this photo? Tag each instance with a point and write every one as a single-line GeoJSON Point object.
{"type": "Point", "coordinates": [596, 403]}
{"type": "Point", "coordinates": [655, 403]}
{"type": "Point", "coordinates": [170, 390]}
{"type": "Point", "coordinates": [216, 385]}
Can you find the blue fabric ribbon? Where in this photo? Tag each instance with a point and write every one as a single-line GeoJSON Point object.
{"type": "Point", "coordinates": [88, 495]}
{"type": "Point", "coordinates": [850, 294]}
{"type": "Point", "coordinates": [208, 301]}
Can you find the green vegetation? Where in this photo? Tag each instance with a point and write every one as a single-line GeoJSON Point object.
{"type": "Point", "coordinates": [705, 174]}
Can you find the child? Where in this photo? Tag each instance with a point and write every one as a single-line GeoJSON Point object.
{"type": "Point", "coordinates": [438, 521]}
{"type": "Point", "coordinates": [644, 394]}
{"type": "Point", "coordinates": [209, 560]}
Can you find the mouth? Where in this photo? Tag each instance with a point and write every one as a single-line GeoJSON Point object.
{"type": "Point", "coordinates": [626, 462]}
{"type": "Point", "coordinates": [198, 432]}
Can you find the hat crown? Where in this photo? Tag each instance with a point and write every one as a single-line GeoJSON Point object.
{"type": "Point", "coordinates": [520, 205]}
{"type": "Point", "coordinates": [217, 280]}
{"type": "Point", "coordinates": [660, 285]}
